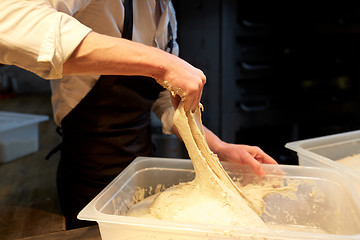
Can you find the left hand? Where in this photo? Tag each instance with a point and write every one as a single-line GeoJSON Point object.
{"type": "Point", "coordinates": [244, 154]}
{"type": "Point", "coordinates": [236, 153]}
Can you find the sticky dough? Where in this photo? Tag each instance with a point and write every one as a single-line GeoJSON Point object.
{"type": "Point", "coordinates": [352, 161]}
{"type": "Point", "coordinates": [211, 198]}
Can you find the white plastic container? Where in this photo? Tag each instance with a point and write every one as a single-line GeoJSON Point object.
{"type": "Point", "coordinates": [325, 151]}
{"type": "Point", "coordinates": [336, 211]}
{"type": "Point", "coordinates": [19, 134]}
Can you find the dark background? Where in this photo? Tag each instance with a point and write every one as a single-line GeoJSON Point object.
{"type": "Point", "coordinates": [276, 72]}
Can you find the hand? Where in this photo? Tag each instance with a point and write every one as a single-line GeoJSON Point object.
{"type": "Point", "coordinates": [184, 82]}
{"type": "Point", "coordinates": [244, 154]}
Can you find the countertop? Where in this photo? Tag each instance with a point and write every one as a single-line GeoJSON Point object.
{"type": "Point", "coordinates": [28, 199]}
{"type": "Point", "coordinates": [86, 233]}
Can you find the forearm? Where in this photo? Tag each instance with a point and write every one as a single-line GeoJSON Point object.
{"type": "Point", "coordinates": [213, 141]}
{"type": "Point", "coordinates": [101, 54]}
{"type": "Point", "coordinates": [105, 55]}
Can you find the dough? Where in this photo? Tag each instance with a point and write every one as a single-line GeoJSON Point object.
{"type": "Point", "coordinates": [211, 198]}
{"type": "Point", "coordinates": [352, 161]}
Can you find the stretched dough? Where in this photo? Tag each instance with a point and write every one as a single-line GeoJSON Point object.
{"type": "Point", "coordinates": [212, 197]}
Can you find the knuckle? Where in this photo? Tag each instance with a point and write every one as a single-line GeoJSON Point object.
{"type": "Point", "coordinates": [257, 148]}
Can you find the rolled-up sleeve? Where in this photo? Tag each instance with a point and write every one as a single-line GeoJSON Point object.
{"type": "Point", "coordinates": [37, 37]}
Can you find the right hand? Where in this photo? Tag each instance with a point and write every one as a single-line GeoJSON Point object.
{"type": "Point", "coordinates": [184, 82]}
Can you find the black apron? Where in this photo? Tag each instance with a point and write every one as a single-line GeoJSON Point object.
{"type": "Point", "coordinates": [103, 134]}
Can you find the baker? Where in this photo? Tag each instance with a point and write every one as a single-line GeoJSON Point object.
{"type": "Point", "coordinates": [111, 63]}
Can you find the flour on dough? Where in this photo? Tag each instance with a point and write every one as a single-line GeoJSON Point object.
{"type": "Point", "coordinates": [211, 198]}
{"type": "Point", "coordinates": [352, 161]}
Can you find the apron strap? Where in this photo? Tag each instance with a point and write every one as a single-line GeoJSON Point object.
{"type": "Point", "coordinates": [170, 44]}
{"type": "Point", "coordinates": [128, 20]}
{"type": "Point", "coordinates": [128, 26]}
{"type": "Point", "coordinates": [127, 34]}
{"type": "Point", "coordinates": [58, 147]}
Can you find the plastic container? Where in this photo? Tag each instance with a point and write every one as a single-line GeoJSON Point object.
{"type": "Point", "coordinates": [19, 134]}
{"type": "Point", "coordinates": [325, 151]}
{"type": "Point", "coordinates": [336, 211]}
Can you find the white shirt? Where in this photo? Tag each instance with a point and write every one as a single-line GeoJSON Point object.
{"type": "Point", "coordinates": [40, 35]}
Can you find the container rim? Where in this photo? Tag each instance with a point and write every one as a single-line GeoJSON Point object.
{"type": "Point", "coordinates": [28, 119]}
{"type": "Point", "coordinates": [297, 146]}
{"type": "Point", "coordinates": [90, 212]}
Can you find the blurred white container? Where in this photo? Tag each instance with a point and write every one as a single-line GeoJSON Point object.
{"type": "Point", "coordinates": [19, 134]}
{"type": "Point", "coordinates": [325, 151]}
{"type": "Point", "coordinates": [322, 202]}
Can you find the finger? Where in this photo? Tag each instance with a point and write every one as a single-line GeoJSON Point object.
{"type": "Point", "coordinates": [267, 159]}
{"type": "Point", "coordinates": [261, 156]}
{"type": "Point", "coordinates": [257, 168]}
{"type": "Point", "coordinates": [254, 164]}
{"type": "Point", "coordinates": [195, 102]}
{"type": "Point", "coordinates": [201, 90]}
{"type": "Point", "coordinates": [270, 160]}
{"type": "Point", "coordinates": [188, 104]}
{"type": "Point", "coordinates": [199, 99]}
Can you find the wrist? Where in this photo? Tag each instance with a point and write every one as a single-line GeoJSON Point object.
{"type": "Point", "coordinates": [214, 142]}
{"type": "Point", "coordinates": [161, 64]}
